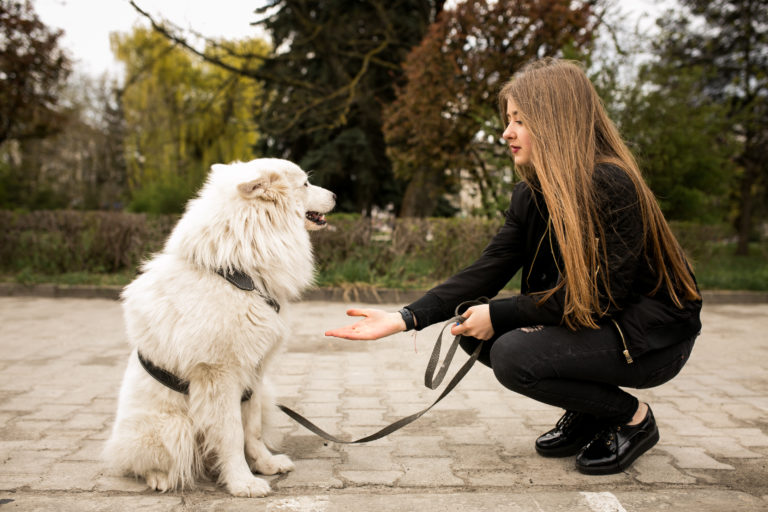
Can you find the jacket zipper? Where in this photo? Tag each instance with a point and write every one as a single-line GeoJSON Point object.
{"type": "Point", "coordinates": [623, 342]}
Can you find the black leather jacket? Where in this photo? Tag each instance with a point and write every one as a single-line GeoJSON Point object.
{"type": "Point", "coordinates": [525, 242]}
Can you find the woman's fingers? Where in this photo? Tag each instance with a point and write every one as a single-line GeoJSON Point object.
{"type": "Point", "coordinates": [477, 323]}
{"type": "Point", "coordinates": [461, 327]}
{"type": "Point", "coordinates": [374, 325]}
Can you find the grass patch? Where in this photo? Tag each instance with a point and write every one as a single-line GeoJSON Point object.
{"type": "Point", "coordinates": [69, 278]}
{"type": "Point", "coordinates": [720, 269]}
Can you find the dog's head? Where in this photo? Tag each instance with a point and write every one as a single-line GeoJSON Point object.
{"type": "Point", "coordinates": [276, 184]}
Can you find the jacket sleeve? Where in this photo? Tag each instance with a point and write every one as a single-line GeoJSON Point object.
{"type": "Point", "coordinates": [497, 264]}
{"type": "Point", "coordinates": [522, 310]}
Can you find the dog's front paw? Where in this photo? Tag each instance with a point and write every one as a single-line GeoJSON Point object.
{"type": "Point", "coordinates": [273, 465]}
{"type": "Point", "coordinates": [248, 487]}
{"type": "Point", "coordinates": [157, 480]}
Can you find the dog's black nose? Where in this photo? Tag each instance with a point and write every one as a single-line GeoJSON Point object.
{"type": "Point", "coordinates": [334, 196]}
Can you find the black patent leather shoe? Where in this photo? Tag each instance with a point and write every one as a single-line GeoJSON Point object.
{"type": "Point", "coordinates": [616, 448]}
{"type": "Point", "coordinates": [570, 434]}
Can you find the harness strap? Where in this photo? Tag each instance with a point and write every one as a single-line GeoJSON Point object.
{"type": "Point", "coordinates": [173, 382]}
{"type": "Point", "coordinates": [164, 377]}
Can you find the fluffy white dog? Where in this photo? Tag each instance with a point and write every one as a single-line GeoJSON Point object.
{"type": "Point", "coordinates": [206, 317]}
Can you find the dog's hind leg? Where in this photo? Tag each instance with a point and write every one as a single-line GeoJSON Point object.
{"type": "Point", "coordinates": [258, 437]}
{"type": "Point", "coordinates": [152, 437]}
{"type": "Point", "coordinates": [215, 407]}
{"type": "Point", "coordinates": [158, 448]}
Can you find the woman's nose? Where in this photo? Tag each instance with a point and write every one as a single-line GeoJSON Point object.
{"type": "Point", "coordinates": [509, 132]}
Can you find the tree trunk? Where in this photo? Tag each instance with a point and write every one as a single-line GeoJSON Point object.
{"type": "Point", "coordinates": [421, 195]}
{"type": "Point", "coordinates": [746, 202]}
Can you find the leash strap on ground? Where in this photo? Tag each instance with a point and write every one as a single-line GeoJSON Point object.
{"type": "Point", "coordinates": [430, 380]}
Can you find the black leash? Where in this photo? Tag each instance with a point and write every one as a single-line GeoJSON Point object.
{"type": "Point", "coordinates": [430, 380]}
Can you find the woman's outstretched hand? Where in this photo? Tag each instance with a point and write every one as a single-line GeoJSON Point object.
{"type": "Point", "coordinates": [375, 325]}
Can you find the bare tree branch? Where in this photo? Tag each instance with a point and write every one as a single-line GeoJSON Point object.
{"type": "Point", "coordinates": [171, 34]}
{"type": "Point", "coordinates": [346, 93]}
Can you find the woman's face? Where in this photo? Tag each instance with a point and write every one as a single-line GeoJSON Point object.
{"type": "Point", "coordinates": [516, 135]}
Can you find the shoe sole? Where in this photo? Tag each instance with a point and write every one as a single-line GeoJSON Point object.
{"type": "Point", "coordinates": [611, 470]}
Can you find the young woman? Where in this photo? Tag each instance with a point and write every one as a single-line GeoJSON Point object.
{"type": "Point", "coordinates": [607, 296]}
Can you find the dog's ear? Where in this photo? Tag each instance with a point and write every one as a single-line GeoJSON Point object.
{"type": "Point", "coordinates": [252, 189]}
{"type": "Point", "coordinates": [267, 188]}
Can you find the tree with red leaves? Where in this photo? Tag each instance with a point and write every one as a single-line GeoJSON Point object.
{"type": "Point", "coordinates": [444, 120]}
{"type": "Point", "coordinates": [33, 70]}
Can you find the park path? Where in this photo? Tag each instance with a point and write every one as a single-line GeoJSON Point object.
{"type": "Point", "coordinates": [62, 362]}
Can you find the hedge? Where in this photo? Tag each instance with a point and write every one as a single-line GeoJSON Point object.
{"type": "Point", "coordinates": [404, 253]}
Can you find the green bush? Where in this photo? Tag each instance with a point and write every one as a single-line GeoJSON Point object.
{"type": "Point", "coordinates": [56, 242]}
{"type": "Point", "coordinates": [161, 198]}
{"type": "Point", "coordinates": [69, 246]}
{"type": "Point", "coordinates": [406, 253]}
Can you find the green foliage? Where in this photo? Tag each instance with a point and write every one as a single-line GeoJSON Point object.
{"type": "Point", "coordinates": [722, 270]}
{"type": "Point", "coordinates": [331, 164]}
{"type": "Point", "coordinates": [408, 253]}
{"type": "Point", "coordinates": [444, 122]}
{"type": "Point", "coordinates": [70, 247]}
{"type": "Point", "coordinates": [336, 67]}
{"type": "Point", "coordinates": [683, 141]}
{"type": "Point", "coordinates": [19, 189]}
{"type": "Point", "coordinates": [182, 115]}
{"type": "Point", "coordinates": [81, 166]}
{"type": "Point", "coordinates": [728, 39]}
{"type": "Point", "coordinates": [55, 242]}
{"type": "Point", "coordinates": [162, 198]}
{"type": "Point", "coordinates": [33, 69]}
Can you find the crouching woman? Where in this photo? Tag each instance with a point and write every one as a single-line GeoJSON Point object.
{"type": "Point", "coordinates": [608, 299]}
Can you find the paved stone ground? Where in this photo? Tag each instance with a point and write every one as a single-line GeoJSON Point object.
{"type": "Point", "coordinates": [62, 362]}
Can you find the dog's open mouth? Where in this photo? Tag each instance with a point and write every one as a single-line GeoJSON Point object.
{"type": "Point", "coordinates": [316, 218]}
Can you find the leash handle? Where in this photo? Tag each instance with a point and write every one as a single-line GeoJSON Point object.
{"type": "Point", "coordinates": [430, 380]}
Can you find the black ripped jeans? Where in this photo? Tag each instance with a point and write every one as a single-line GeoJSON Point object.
{"type": "Point", "coordinates": [578, 371]}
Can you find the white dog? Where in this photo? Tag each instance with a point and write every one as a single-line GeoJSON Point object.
{"type": "Point", "coordinates": [206, 317]}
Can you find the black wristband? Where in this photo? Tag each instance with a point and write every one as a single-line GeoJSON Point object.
{"type": "Point", "coordinates": [407, 315]}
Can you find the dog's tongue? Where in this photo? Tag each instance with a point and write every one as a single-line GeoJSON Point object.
{"type": "Point", "coordinates": [317, 218]}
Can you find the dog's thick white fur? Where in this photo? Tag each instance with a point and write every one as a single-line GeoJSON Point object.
{"type": "Point", "coordinates": [187, 319]}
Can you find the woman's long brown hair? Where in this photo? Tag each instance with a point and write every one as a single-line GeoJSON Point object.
{"type": "Point", "coordinates": [571, 134]}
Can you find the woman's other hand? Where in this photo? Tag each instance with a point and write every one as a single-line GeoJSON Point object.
{"type": "Point", "coordinates": [375, 324]}
{"type": "Point", "coordinates": [477, 323]}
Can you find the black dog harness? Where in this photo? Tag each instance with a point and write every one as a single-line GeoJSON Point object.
{"type": "Point", "coordinates": [240, 280]}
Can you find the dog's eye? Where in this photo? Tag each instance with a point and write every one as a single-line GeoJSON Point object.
{"type": "Point", "coordinates": [306, 183]}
